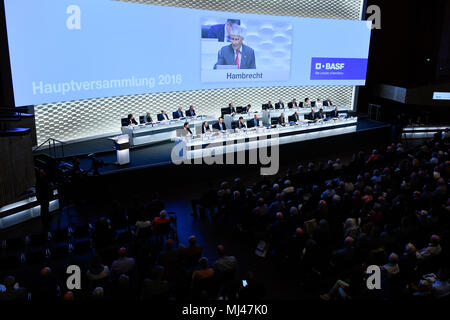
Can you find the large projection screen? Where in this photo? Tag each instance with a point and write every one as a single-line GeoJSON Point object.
{"type": "Point", "coordinates": [90, 61]}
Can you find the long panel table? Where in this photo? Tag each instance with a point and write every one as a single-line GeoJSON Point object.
{"type": "Point", "coordinates": [163, 130]}
{"type": "Point", "coordinates": [238, 140]}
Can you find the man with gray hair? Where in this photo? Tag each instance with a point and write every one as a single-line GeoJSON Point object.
{"type": "Point", "coordinates": [236, 54]}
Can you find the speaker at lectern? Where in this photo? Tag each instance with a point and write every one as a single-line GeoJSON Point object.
{"type": "Point", "coordinates": [122, 146]}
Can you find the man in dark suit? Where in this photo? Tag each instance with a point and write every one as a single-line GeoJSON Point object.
{"type": "Point", "coordinates": [279, 105]}
{"type": "Point", "coordinates": [320, 114]}
{"type": "Point", "coordinates": [178, 114]}
{"type": "Point", "coordinates": [313, 115]}
{"type": "Point", "coordinates": [220, 126]}
{"type": "Point", "coordinates": [241, 124]}
{"type": "Point", "coordinates": [163, 116]}
{"type": "Point", "coordinates": [327, 103]}
{"type": "Point", "coordinates": [190, 112]}
{"type": "Point", "coordinates": [246, 109]}
{"type": "Point", "coordinates": [236, 54]}
{"type": "Point", "coordinates": [254, 122]}
{"type": "Point", "coordinates": [231, 110]}
{"type": "Point", "coordinates": [293, 104]}
{"type": "Point", "coordinates": [205, 127]}
{"type": "Point", "coordinates": [270, 105]}
{"type": "Point", "coordinates": [334, 113]}
{"type": "Point", "coordinates": [218, 31]}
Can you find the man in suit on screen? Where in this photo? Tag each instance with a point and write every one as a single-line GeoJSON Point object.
{"type": "Point", "coordinates": [236, 54]}
{"type": "Point", "coordinates": [222, 31]}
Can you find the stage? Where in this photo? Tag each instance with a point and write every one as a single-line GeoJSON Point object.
{"type": "Point", "coordinates": [159, 154]}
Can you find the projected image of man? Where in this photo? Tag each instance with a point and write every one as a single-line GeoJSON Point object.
{"type": "Point", "coordinates": [222, 31]}
{"type": "Point", "coordinates": [236, 54]}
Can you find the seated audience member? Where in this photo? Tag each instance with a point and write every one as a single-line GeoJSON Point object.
{"type": "Point", "coordinates": [142, 223]}
{"type": "Point", "coordinates": [270, 105]}
{"type": "Point", "coordinates": [192, 252]}
{"type": "Point", "coordinates": [279, 105]}
{"type": "Point", "coordinates": [12, 291]}
{"type": "Point", "coordinates": [148, 118]}
{"type": "Point", "coordinates": [205, 127]}
{"type": "Point", "coordinates": [123, 265]}
{"type": "Point", "coordinates": [98, 294]}
{"type": "Point", "coordinates": [160, 220]}
{"type": "Point", "coordinates": [241, 124]}
{"type": "Point", "coordinates": [441, 287]}
{"type": "Point", "coordinates": [170, 259]}
{"type": "Point", "coordinates": [46, 287]}
{"type": "Point", "coordinates": [163, 116]}
{"type": "Point", "coordinates": [190, 112]}
{"type": "Point", "coordinates": [155, 288]}
{"type": "Point", "coordinates": [131, 120]}
{"type": "Point", "coordinates": [392, 267]}
{"type": "Point", "coordinates": [247, 109]}
{"type": "Point", "coordinates": [204, 271]}
{"type": "Point", "coordinates": [220, 126]}
{"type": "Point", "coordinates": [178, 114]}
{"type": "Point", "coordinates": [433, 249]}
{"type": "Point", "coordinates": [97, 271]}
{"type": "Point", "coordinates": [225, 264]}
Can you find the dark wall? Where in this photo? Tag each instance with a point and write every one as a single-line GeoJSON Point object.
{"type": "Point", "coordinates": [407, 50]}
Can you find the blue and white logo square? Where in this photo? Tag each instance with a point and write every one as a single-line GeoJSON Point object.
{"type": "Point", "coordinates": [318, 66]}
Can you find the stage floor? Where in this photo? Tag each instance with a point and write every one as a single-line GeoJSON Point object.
{"type": "Point", "coordinates": [159, 154]}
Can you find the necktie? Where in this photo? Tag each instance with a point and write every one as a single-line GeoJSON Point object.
{"type": "Point", "coordinates": [237, 58]}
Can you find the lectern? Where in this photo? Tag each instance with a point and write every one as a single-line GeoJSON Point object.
{"type": "Point", "coordinates": [122, 146]}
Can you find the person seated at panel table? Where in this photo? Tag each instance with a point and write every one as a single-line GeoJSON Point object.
{"type": "Point", "coordinates": [205, 127]}
{"type": "Point", "coordinates": [334, 113]}
{"type": "Point", "coordinates": [148, 118]}
{"type": "Point", "coordinates": [254, 122]}
{"type": "Point", "coordinates": [131, 120]}
{"type": "Point", "coordinates": [327, 103]}
{"type": "Point", "coordinates": [190, 112]}
{"type": "Point", "coordinates": [319, 103]}
{"type": "Point", "coordinates": [293, 104]}
{"type": "Point", "coordinates": [270, 105]}
{"type": "Point", "coordinates": [241, 124]}
{"type": "Point", "coordinates": [282, 120]}
{"type": "Point", "coordinates": [313, 115]}
{"type": "Point", "coordinates": [231, 110]}
{"type": "Point", "coordinates": [320, 114]}
{"type": "Point", "coordinates": [246, 109]}
{"type": "Point", "coordinates": [220, 126]}
{"type": "Point", "coordinates": [279, 105]}
{"type": "Point", "coordinates": [178, 114]}
{"type": "Point", "coordinates": [187, 130]}
{"type": "Point", "coordinates": [163, 116]}
{"type": "Point", "coordinates": [307, 103]}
